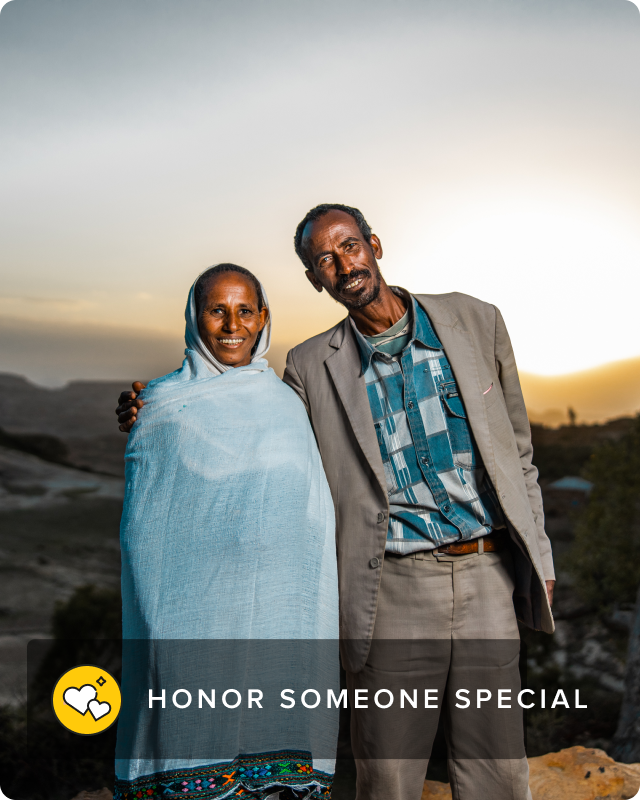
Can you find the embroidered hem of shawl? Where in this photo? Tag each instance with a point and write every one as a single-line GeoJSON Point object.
{"type": "Point", "coordinates": [250, 777]}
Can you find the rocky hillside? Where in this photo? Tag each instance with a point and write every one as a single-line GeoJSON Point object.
{"type": "Point", "coordinates": [74, 425]}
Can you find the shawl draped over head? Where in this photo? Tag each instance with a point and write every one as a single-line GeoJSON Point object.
{"type": "Point", "coordinates": [194, 342]}
{"type": "Point", "coordinates": [229, 581]}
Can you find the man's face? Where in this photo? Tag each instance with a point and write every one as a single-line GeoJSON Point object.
{"type": "Point", "coordinates": [344, 263]}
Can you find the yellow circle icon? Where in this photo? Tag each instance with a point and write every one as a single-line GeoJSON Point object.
{"type": "Point", "coordinates": [87, 700]}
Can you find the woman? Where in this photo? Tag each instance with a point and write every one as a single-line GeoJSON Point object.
{"type": "Point", "coordinates": [228, 535]}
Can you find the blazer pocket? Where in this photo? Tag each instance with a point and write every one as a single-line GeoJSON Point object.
{"type": "Point", "coordinates": [491, 394]}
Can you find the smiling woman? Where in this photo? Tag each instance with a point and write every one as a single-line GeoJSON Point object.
{"type": "Point", "coordinates": [227, 536]}
{"type": "Point", "coordinates": [227, 316]}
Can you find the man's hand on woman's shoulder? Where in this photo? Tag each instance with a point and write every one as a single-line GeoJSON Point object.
{"type": "Point", "coordinates": [128, 405]}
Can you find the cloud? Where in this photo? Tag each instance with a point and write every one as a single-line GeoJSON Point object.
{"type": "Point", "coordinates": [60, 302]}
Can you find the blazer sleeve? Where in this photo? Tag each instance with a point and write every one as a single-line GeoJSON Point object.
{"type": "Point", "coordinates": [510, 382]}
{"type": "Point", "coordinates": [292, 379]}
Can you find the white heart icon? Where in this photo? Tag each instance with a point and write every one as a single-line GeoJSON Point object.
{"type": "Point", "coordinates": [98, 710]}
{"type": "Point", "coordinates": [80, 698]}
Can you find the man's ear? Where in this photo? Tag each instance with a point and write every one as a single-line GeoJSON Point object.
{"type": "Point", "coordinates": [376, 246]}
{"type": "Point", "coordinates": [313, 280]}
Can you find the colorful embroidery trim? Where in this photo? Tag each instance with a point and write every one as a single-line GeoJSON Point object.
{"type": "Point", "coordinates": [250, 777]}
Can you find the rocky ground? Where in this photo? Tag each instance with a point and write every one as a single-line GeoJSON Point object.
{"type": "Point", "coordinates": [59, 531]}
{"type": "Point", "coordinates": [61, 490]}
{"type": "Point", "coordinates": [577, 773]}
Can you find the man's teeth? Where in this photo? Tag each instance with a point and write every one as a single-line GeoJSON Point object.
{"type": "Point", "coordinates": [230, 341]}
{"type": "Point", "coordinates": [355, 283]}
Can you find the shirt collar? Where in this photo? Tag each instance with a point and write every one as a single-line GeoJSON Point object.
{"type": "Point", "coordinates": [421, 330]}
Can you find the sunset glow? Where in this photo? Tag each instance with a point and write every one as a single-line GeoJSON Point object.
{"type": "Point", "coordinates": [492, 146]}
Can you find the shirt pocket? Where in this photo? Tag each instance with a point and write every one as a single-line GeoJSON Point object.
{"type": "Point", "coordinates": [457, 424]}
{"type": "Point", "coordinates": [382, 443]}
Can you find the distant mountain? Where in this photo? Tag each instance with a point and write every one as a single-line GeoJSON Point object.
{"type": "Point", "coordinates": [76, 424]}
{"type": "Point", "coordinates": [596, 395]}
{"type": "Point", "coordinates": [80, 417]}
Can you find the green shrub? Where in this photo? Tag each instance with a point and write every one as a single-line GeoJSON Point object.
{"type": "Point", "coordinates": [605, 559]}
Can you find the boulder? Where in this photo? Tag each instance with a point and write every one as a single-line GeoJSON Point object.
{"type": "Point", "coordinates": [582, 773]}
{"type": "Point", "coordinates": [577, 773]}
{"type": "Point", "coordinates": [436, 789]}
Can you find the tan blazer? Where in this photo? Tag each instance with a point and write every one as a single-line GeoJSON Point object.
{"type": "Point", "coordinates": [326, 373]}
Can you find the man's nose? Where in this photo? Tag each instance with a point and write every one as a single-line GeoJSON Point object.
{"type": "Point", "coordinates": [343, 265]}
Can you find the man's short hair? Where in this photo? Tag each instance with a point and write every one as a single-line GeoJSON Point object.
{"type": "Point", "coordinates": [320, 211]}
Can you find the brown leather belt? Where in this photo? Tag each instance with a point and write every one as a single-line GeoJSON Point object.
{"type": "Point", "coordinates": [493, 542]}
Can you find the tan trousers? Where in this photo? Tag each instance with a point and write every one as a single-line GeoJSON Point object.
{"type": "Point", "coordinates": [444, 623]}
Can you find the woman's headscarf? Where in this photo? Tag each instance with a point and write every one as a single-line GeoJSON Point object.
{"type": "Point", "coordinates": [194, 341]}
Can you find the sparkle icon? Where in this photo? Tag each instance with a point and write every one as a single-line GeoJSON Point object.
{"type": "Point", "coordinates": [101, 681]}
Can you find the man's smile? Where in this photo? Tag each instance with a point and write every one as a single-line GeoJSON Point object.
{"type": "Point", "coordinates": [347, 284]}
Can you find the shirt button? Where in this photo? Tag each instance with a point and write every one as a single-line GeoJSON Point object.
{"type": "Point", "coordinates": [446, 508]}
{"type": "Point", "coordinates": [380, 516]}
{"type": "Point", "coordinates": [410, 404]}
{"type": "Point", "coordinates": [424, 460]}
{"type": "Point", "coordinates": [374, 563]}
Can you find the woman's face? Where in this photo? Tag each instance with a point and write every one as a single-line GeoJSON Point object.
{"type": "Point", "coordinates": [229, 320]}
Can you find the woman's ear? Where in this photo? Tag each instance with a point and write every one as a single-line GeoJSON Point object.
{"type": "Point", "coordinates": [264, 316]}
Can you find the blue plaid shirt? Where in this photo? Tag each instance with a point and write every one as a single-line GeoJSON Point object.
{"type": "Point", "coordinates": [438, 489]}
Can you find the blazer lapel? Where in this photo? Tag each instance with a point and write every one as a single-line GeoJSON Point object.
{"type": "Point", "coordinates": [345, 368]}
{"type": "Point", "coordinates": [461, 352]}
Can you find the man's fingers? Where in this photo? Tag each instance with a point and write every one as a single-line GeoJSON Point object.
{"type": "Point", "coordinates": [125, 396]}
{"type": "Point", "coordinates": [127, 404]}
{"type": "Point", "coordinates": [128, 416]}
{"type": "Point", "coordinates": [550, 587]}
{"type": "Point", "coordinates": [124, 407]}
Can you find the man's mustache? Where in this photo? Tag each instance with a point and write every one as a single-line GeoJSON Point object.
{"type": "Point", "coordinates": [352, 276]}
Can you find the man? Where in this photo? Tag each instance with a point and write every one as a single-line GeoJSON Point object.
{"type": "Point", "coordinates": [417, 409]}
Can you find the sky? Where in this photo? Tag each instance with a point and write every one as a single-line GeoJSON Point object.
{"type": "Point", "coordinates": [491, 144]}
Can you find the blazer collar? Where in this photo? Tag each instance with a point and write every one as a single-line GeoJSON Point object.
{"type": "Point", "coordinates": [345, 368]}
{"type": "Point", "coordinates": [461, 351]}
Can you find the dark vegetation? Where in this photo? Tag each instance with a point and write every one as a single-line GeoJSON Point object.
{"type": "Point", "coordinates": [596, 542]}
{"type": "Point", "coordinates": [39, 759]}
{"type": "Point", "coordinates": [607, 540]}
